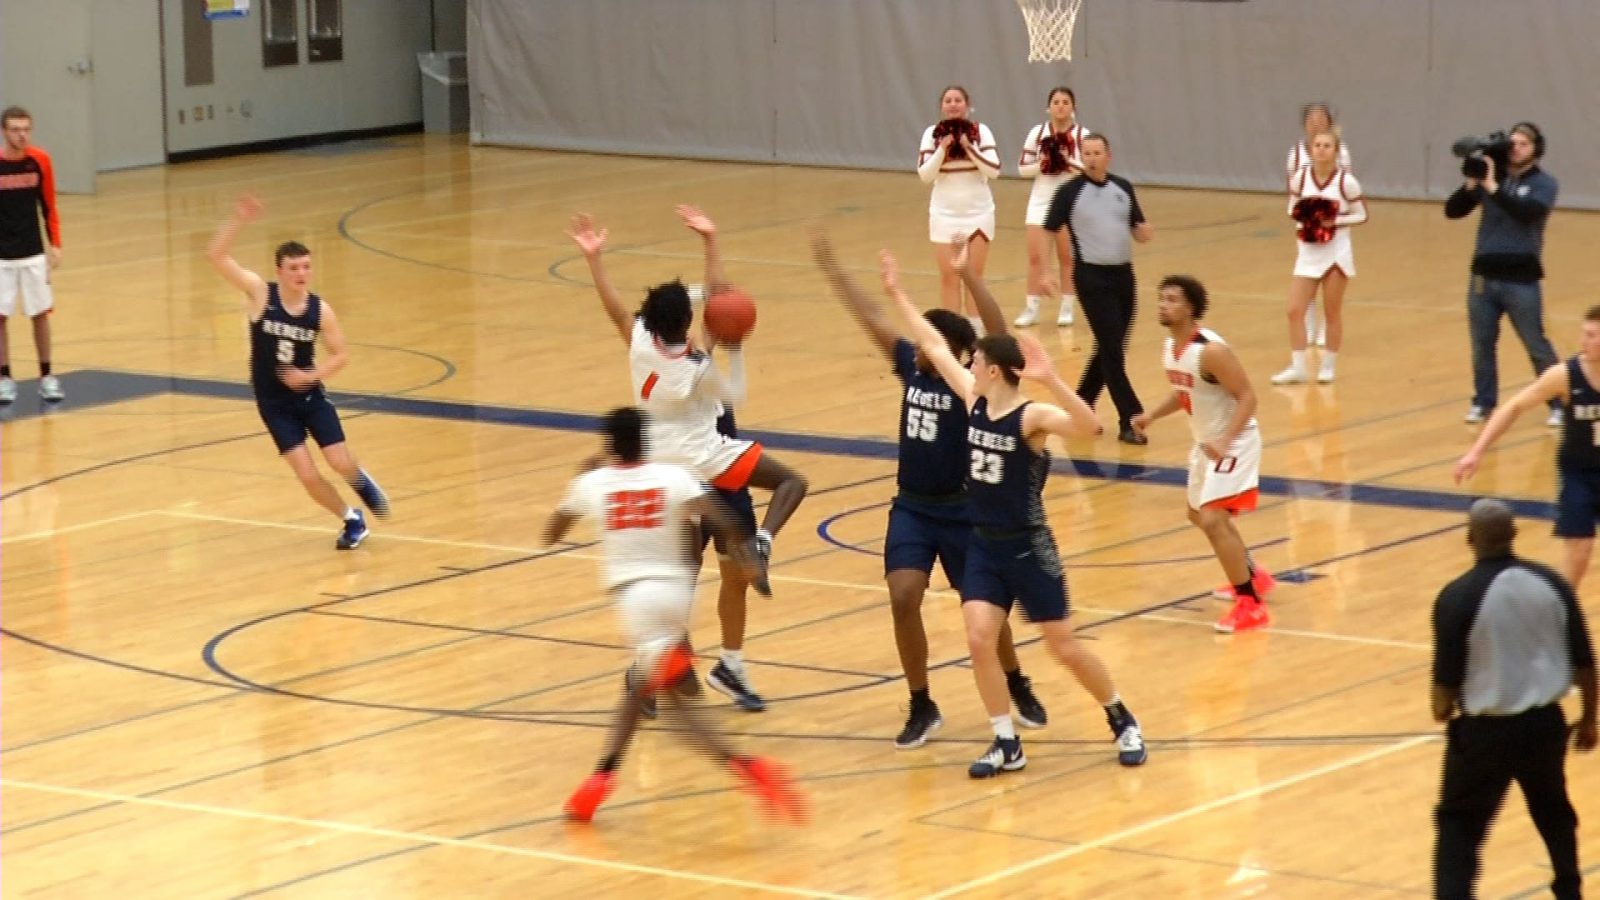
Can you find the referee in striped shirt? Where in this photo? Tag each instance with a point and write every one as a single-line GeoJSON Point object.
{"type": "Point", "coordinates": [1509, 641]}
{"type": "Point", "coordinates": [1102, 215]}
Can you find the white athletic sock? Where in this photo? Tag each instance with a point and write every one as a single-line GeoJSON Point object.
{"type": "Point", "coordinates": [1068, 299]}
{"type": "Point", "coordinates": [1033, 301]}
{"type": "Point", "coordinates": [350, 513]}
{"type": "Point", "coordinates": [1329, 358]}
{"type": "Point", "coordinates": [1297, 358]}
{"type": "Point", "coordinates": [1003, 728]}
{"type": "Point", "coordinates": [733, 659]}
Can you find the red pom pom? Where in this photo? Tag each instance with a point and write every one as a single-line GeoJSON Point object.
{"type": "Point", "coordinates": [955, 128]}
{"type": "Point", "coordinates": [1316, 216]}
{"type": "Point", "coordinates": [1052, 157]}
{"type": "Point", "coordinates": [730, 315]}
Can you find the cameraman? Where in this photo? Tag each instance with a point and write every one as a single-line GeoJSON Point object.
{"type": "Point", "coordinates": [1505, 261]}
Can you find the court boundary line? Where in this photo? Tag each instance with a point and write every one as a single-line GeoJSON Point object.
{"type": "Point", "coordinates": [1188, 812]}
{"type": "Point", "coordinates": [413, 837]}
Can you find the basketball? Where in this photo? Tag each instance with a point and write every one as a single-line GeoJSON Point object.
{"type": "Point", "coordinates": [730, 315]}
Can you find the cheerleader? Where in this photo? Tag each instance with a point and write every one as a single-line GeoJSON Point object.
{"type": "Point", "coordinates": [1051, 157]}
{"type": "Point", "coordinates": [958, 157]}
{"type": "Point", "coordinates": [1315, 118]}
{"type": "Point", "coordinates": [1325, 200]}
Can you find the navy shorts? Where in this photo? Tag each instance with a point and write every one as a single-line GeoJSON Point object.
{"type": "Point", "coordinates": [744, 517]}
{"type": "Point", "coordinates": [1577, 504]}
{"type": "Point", "coordinates": [915, 539]}
{"type": "Point", "coordinates": [289, 421]}
{"type": "Point", "coordinates": [1023, 569]}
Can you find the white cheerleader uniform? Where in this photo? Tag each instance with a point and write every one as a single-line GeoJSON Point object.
{"type": "Point", "coordinates": [1045, 186]}
{"type": "Point", "coordinates": [1315, 260]}
{"type": "Point", "coordinates": [961, 204]}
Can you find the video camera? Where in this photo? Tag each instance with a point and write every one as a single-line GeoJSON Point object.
{"type": "Point", "coordinates": [1478, 152]}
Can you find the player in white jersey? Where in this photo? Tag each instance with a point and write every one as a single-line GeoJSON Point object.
{"type": "Point", "coordinates": [643, 509]}
{"type": "Point", "coordinates": [961, 205]}
{"type": "Point", "coordinates": [1225, 463]}
{"type": "Point", "coordinates": [677, 384]}
{"type": "Point", "coordinates": [1315, 118]}
{"type": "Point", "coordinates": [1051, 156]}
{"type": "Point", "coordinates": [1325, 256]}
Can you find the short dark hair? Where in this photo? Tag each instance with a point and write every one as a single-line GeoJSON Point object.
{"type": "Point", "coordinates": [624, 431]}
{"type": "Point", "coordinates": [1003, 350]}
{"type": "Point", "coordinates": [667, 311]}
{"type": "Point", "coordinates": [1097, 136]}
{"type": "Point", "coordinates": [1593, 314]}
{"type": "Point", "coordinates": [1062, 89]}
{"type": "Point", "coordinates": [289, 250]}
{"type": "Point", "coordinates": [13, 112]}
{"type": "Point", "coordinates": [956, 329]}
{"type": "Point", "coordinates": [1192, 290]}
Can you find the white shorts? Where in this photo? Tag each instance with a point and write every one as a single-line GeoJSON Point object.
{"type": "Point", "coordinates": [1232, 481]}
{"type": "Point", "coordinates": [29, 277]}
{"type": "Point", "coordinates": [1315, 260]}
{"type": "Point", "coordinates": [654, 613]}
{"type": "Point", "coordinates": [728, 463]}
{"type": "Point", "coordinates": [1043, 194]}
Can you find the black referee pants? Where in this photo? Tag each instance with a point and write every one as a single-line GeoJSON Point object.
{"type": "Point", "coordinates": [1482, 756]}
{"type": "Point", "coordinates": [1107, 295]}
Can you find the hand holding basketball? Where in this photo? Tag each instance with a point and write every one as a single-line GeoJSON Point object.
{"type": "Point", "coordinates": [583, 233]}
{"type": "Point", "coordinates": [730, 316]}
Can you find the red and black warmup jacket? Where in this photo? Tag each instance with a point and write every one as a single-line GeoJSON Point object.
{"type": "Point", "coordinates": [27, 191]}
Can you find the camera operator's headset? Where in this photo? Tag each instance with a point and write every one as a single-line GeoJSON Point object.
{"type": "Point", "coordinates": [1533, 132]}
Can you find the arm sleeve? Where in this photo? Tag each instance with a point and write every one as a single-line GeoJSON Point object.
{"type": "Point", "coordinates": [1292, 164]}
{"type": "Point", "coordinates": [47, 196]}
{"type": "Point", "coordinates": [1351, 191]}
{"type": "Point", "coordinates": [1462, 202]}
{"type": "Point", "coordinates": [1579, 649]}
{"type": "Point", "coordinates": [1060, 213]}
{"type": "Point", "coordinates": [575, 502]}
{"type": "Point", "coordinates": [730, 389]}
{"type": "Point", "coordinates": [987, 159]}
{"type": "Point", "coordinates": [1028, 162]}
{"type": "Point", "coordinates": [1530, 207]}
{"type": "Point", "coordinates": [1075, 159]}
{"type": "Point", "coordinates": [1135, 211]}
{"type": "Point", "coordinates": [929, 158]}
{"type": "Point", "coordinates": [1452, 622]}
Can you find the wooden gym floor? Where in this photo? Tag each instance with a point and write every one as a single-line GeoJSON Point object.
{"type": "Point", "coordinates": [202, 698]}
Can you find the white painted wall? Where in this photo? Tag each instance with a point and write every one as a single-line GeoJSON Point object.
{"type": "Point", "coordinates": [375, 85]}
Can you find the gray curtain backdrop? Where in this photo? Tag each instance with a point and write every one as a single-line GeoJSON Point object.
{"type": "Point", "coordinates": [1203, 94]}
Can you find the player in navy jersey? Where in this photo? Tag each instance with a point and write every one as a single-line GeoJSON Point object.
{"type": "Point", "coordinates": [286, 321]}
{"type": "Point", "coordinates": [1012, 557]}
{"type": "Point", "coordinates": [928, 517]}
{"type": "Point", "coordinates": [1575, 384]}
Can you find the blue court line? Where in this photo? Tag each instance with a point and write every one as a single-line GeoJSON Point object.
{"type": "Point", "coordinates": [832, 445]}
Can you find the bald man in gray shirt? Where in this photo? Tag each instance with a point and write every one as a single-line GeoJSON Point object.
{"type": "Point", "coordinates": [1509, 641]}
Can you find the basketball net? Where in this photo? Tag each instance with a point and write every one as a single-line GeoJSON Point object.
{"type": "Point", "coordinates": [1050, 28]}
